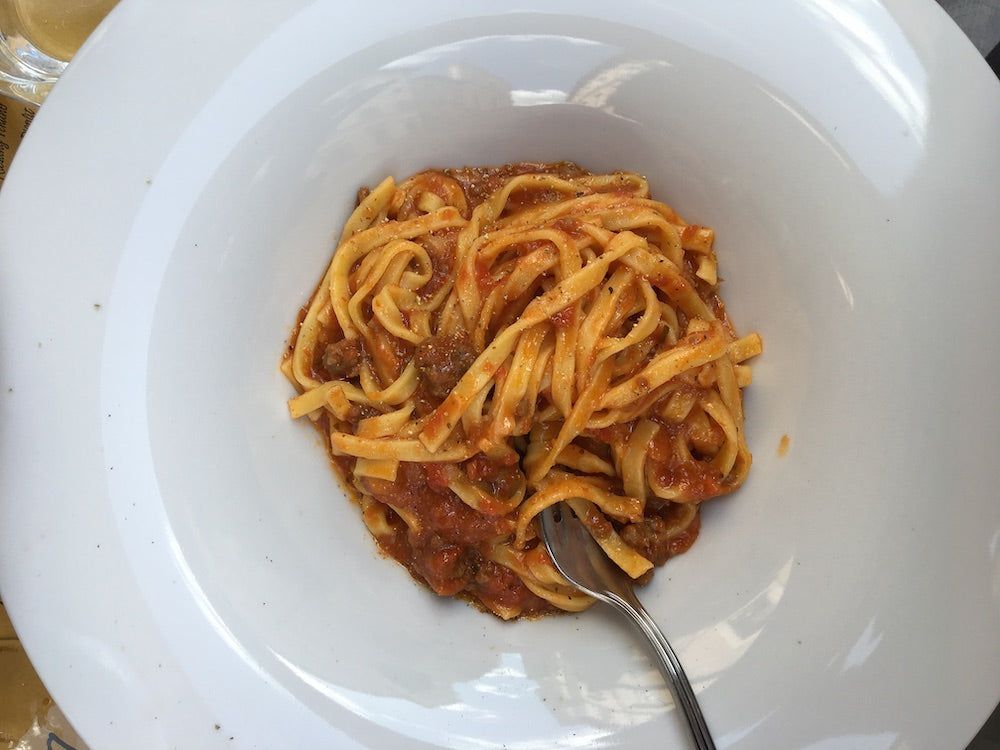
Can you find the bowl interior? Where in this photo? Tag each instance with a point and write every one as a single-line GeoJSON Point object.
{"type": "Point", "coordinates": [236, 230]}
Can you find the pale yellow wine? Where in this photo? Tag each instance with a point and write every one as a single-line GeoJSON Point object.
{"type": "Point", "coordinates": [58, 27]}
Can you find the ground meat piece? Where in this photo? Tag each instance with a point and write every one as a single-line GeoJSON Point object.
{"type": "Point", "coordinates": [658, 540]}
{"type": "Point", "coordinates": [445, 567]}
{"type": "Point", "coordinates": [649, 538]}
{"type": "Point", "coordinates": [499, 588]}
{"type": "Point", "coordinates": [342, 359]}
{"type": "Point", "coordinates": [480, 182]}
{"type": "Point", "coordinates": [440, 247]}
{"type": "Point", "coordinates": [442, 361]}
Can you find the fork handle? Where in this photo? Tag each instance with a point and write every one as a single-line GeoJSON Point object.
{"type": "Point", "coordinates": [671, 667]}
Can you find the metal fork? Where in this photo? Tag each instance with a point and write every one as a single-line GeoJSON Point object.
{"type": "Point", "coordinates": [583, 563]}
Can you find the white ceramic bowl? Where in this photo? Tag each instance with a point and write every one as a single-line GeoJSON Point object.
{"type": "Point", "coordinates": [174, 550]}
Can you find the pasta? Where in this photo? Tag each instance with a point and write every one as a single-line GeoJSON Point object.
{"type": "Point", "coordinates": [489, 341]}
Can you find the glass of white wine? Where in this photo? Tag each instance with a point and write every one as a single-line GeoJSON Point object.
{"type": "Point", "coordinates": [38, 38]}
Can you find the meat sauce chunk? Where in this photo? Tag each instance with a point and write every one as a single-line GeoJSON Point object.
{"type": "Point", "coordinates": [342, 359]}
{"type": "Point", "coordinates": [442, 361]}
